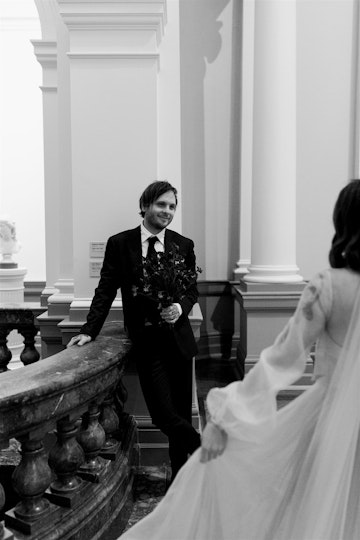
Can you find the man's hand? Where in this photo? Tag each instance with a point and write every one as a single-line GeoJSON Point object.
{"type": "Point", "coordinates": [80, 340]}
{"type": "Point", "coordinates": [170, 314]}
{"type": "Point", "coordinates": [213, 442]}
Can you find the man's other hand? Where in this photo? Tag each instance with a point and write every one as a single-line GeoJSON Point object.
{"type": "Point", "coordinates": [79, 340]}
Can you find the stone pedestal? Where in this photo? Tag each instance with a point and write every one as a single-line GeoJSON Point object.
{"type": "Point", "coordinates": [12, 292]}
{"type": "Point", "coordinates": [265, 308]}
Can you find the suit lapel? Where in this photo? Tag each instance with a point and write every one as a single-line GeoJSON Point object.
{"type": "Point", "coordinates": [134, 246]}
{"type": "Point", "coordinates": [169, 238]}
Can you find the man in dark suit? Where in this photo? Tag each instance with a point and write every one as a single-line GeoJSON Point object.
{"type": "Point", "coordinates": [163, 352]}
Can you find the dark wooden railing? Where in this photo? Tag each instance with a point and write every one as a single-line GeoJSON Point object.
{"type": "Point", "coordinates": [78, 447]}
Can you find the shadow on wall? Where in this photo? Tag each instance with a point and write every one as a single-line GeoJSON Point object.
{"type": "Point", "coordinates": [235, 141]}
{"type": "Point", "coordinates": [200, 44]}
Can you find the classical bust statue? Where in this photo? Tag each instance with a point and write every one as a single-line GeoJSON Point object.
{"type": "Point", "coordinates": [8, 243]}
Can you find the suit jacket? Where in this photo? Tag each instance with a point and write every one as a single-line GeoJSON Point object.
{"type": "Point", "coordinates": [122, 268]}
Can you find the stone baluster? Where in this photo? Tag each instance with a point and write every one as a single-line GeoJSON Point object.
{"type": "Point", "coordinates": [2, 503]}
{"type": "Point", "coordinates": [120, 397]}
{"type": "Point", "coordinates": [65, 458]}
{"type": "Point", "coordinates": [29, 355]}
{"type": "Point", "coordinates": [110, 422]}
{"type": "Point", "coordinates": [92, 440]}
{"type": "Point", "coordinates": [5, 353]}
{"type": "Point", "coordinates": [31, 478]}
{"type": "Point", "coordinates": [4, 533]}
{"type": "Point", "coordinates": [17, 317]}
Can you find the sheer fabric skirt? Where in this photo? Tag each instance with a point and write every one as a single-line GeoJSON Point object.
{"type": "Point", "coordinates": [254, 491]}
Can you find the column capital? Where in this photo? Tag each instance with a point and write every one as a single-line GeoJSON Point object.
{"type": "Point", "coordinates": [45, 52]}
{"type": "Point", "coordinates": [114, 15]}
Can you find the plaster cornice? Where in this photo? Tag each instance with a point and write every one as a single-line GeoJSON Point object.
{"type": "Point", "coordinates": [45, 52]}
{"type": "Point", "coordinates": [114, 15]}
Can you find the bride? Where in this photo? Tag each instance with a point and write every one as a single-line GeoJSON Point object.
{"type": "Point", "coordinates": [293, 473]}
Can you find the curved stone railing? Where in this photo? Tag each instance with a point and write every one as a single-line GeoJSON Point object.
{"type": "Point", "coordinates": [78, 448]}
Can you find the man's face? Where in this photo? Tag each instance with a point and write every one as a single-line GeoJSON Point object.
{"type": "Point", "coordinates": [160, 213]}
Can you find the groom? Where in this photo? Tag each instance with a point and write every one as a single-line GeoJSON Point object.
{"type": "Point", "coordinates": [163, 352]}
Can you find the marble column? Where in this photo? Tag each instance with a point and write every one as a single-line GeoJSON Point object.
{"type": "Point", "coordinates": [58, 294]}
{"type": "Point", "coordinates": [46, 54]}
{"type": "Point", "coordinates": [246, 139]}
{"type": "Point", "coordinates": [273, 253]}
{"type": "Point", "coordinates": [268, 293]}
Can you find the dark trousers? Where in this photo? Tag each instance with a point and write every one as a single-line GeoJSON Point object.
{"type": "Point", "coordinates": [166, 380]}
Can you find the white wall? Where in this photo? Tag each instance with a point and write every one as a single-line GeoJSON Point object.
{"type": "Point", "coordinates": [21, 147]}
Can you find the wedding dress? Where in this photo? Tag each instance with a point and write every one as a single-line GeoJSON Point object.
{"type": "Point", "coordinates": [288, 474]}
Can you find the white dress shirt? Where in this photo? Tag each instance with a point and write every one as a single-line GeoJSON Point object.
{"type": "Point", "coordinates": [145, 235]}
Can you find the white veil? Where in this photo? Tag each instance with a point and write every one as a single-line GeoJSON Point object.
{"type": "Point", "coordinates": [325, 504]}
{"type": "Point", "coordinates": [321, 480]}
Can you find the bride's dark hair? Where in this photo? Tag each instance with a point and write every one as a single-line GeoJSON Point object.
{"type": "Point", "coordinates": [345, 247]}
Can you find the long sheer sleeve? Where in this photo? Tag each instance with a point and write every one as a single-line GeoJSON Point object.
{"type": "Point", "coordinates": [246, 408]}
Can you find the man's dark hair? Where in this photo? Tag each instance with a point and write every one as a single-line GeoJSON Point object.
{"type": "Point", "coordinates": [153, 192]}
{"type": "Point", "coordinates": [345, 247]}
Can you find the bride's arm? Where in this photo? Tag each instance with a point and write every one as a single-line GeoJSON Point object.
{"type": "Point", "coordinates": [244, 409]}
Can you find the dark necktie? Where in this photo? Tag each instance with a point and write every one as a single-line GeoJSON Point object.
{"type": "Point", "coordinates": [151, 253]}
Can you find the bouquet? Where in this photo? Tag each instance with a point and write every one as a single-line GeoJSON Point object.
{"type": "Point", "coordinates": [166, 278]}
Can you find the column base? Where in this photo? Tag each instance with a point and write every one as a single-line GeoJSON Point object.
{"type": "Point", "coordinates": [46, 293]}
{"type": "Point", "coordinates": [273, 274]}
{"type": "Point", "coordinates": [241, 270]}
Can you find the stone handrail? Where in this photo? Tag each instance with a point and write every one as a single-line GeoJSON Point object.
{"type": "Point", "coordinates": [78, 394]}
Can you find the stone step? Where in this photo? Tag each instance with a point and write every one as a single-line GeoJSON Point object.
{"type": "Point", "coordinates": [291, 392]}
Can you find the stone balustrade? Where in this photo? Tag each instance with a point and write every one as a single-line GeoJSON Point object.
{"type": "Point", "coordinates": [78, 450]}
{"type": "Point", "coordinates": [20, 317]}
